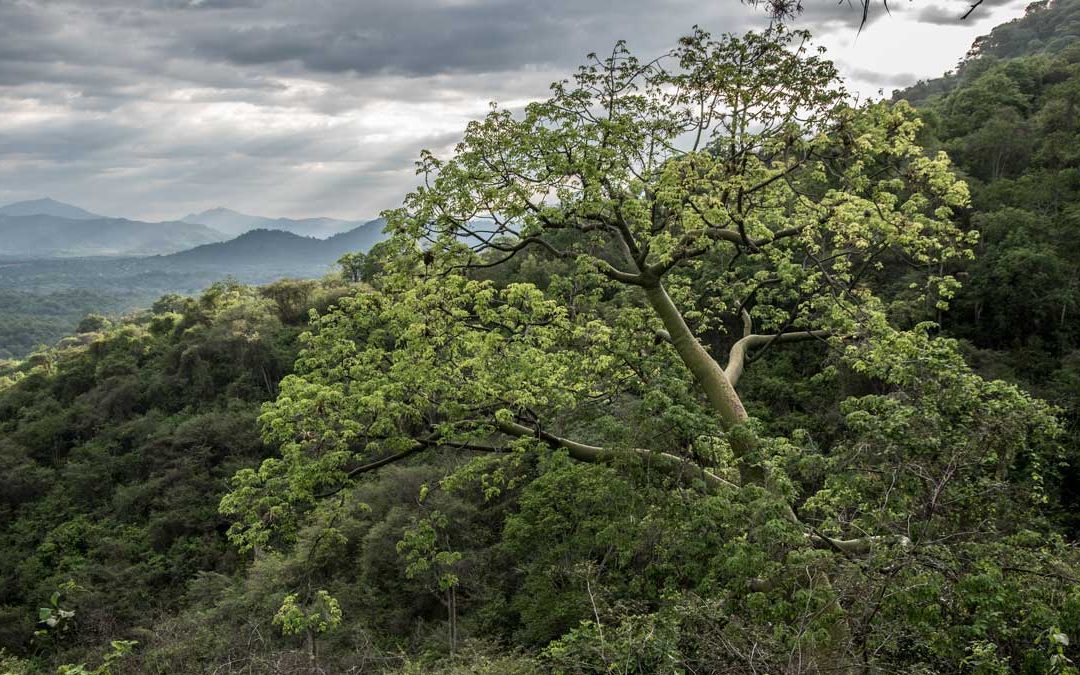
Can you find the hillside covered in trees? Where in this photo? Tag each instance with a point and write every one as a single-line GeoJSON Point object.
{"type": "Point", "coordinates": [42, 300]}
{"type": "Point", "coordinates": [800, 394]}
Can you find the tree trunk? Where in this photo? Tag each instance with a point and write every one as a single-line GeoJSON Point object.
{"type": "Point", "coordinates": [725, 401]}
{"type": "Point", "coordinates": [451, 611]}
{"type": "Point", "coordinates": [722, 396]}
{"type": "Point", "coordinates": [729, 408]}
{"type": "Point", "coordinates": [312, 656]}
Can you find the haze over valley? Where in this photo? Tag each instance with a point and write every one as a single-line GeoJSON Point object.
{"type": "Point", "coordinates": [59, 262]}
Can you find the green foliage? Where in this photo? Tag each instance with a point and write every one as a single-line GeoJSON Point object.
{"type": "Point", "coordinates": [915, 510]}
{"type": "Point", "coordinates": [638, 644]}
{"type": "Point", "coordinates": [12, 665]}
{"type": "Point", "coordinates": [791, 210]}
{"type": "Point", "coordinates": [54, 619]}
{"type": "Point", "coordinates": [419, 547]}
{"type": "Point", "coordinates": [32, 317]}
{"type": "Point", "coordinates": [321, 615]}
{"type": "Point", "coordinates": [115, 453]}
{"type": "Point", "coordinates": [120, 649]}
{"type": "Point", "coordinates": [1048, 26]}
{"type": "Point", "coordinates": [475, 658]}
{"type": "Point", "coordinates": [1008, 118]}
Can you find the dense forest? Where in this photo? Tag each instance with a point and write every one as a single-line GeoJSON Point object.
{"type": "Point", "coordinates": [43, 299]}
{"type": "Point", "coordinates": [800, 394]}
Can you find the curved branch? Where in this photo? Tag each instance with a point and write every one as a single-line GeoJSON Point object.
{"type": "Point", "coordinates": [527, 241]}
{"type": "Point", "coordinates": [371, 466]}
{"type": "Point", "coordinates": [421, 444]}
{"type": "Point", "coordinates": [737, 357]}
{"type": "Point", "coordinates": [615, 274]}
{"type": "Point", "coordinates": [594, 454]}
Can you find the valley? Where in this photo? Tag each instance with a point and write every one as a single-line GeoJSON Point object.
{"type": "Point", "coordinates": [45, 289]}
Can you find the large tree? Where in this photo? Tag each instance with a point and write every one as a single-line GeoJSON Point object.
{"type": "Point", "coordinates": [687, 213]}
{"type": "Point", "coordinates": [743, 151]}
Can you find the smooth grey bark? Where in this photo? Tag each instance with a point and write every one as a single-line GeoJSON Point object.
{"type": "Point", "coordinates": [737, 356]}
{"type": "Point", "coordinates": [669, 463]}
{"type": "Point", "coordinates": [712, 378]}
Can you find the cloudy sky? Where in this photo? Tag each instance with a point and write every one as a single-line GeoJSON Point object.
{"type": "Point", "coordinates": [155, 108]}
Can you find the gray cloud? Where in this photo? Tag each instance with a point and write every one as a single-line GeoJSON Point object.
{"type": "Point", "coordinates": [847, 14]}
{"type": "Point", "coordinates": [884, 80]}
{"type": "Point", "coordinates": [949, 13]}
{"type": "Point", "coordinates": [424, 37]}
{"type": "Point", "coordinates": [154, 108]}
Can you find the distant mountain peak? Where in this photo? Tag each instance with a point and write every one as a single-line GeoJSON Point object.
{"type": "Point", "coordinates": [273, 246]}
{"type": "Point", "coordinates": [236, 223]}
{"type": "Point", "coordinates": [47, 206]}
{"type": "Point", "coordinates": [217, 211]}
{"type": "Point", "coordinates": [262, 232]}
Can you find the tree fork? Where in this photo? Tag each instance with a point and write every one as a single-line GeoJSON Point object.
{"type": "Point", "coordinates": [712, 378]}
{"type": "Point", "coordinates": [729, 407]}
{"type": "Point", "coordinates": [718, 387]}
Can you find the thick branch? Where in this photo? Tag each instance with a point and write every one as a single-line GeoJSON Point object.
{"type": "Point", "coordinates": [718, 388]}
{"type": "Point", "coordinates": [672, 464]}
{"type": "Point", "coordinates": [737, 356]}
{"type": "Point", "coordinates": [611, 272]}
{"type": "Point", "coordinates": [859, 546]}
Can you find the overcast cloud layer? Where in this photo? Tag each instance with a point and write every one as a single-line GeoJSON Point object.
{"type": "Point", "coordinates": [155, 108]}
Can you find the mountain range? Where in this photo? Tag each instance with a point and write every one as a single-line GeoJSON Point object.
{"type": "Point", "coordinates": [233, 223]}
{"type": "Point", "coordinates": [280, 249]}
{"type": "Point", "coordinates": [49, 236]}
{"type": "Point", "coordinates": [58, 261]}
{"type": "Point", "coordinates": [45, 228]}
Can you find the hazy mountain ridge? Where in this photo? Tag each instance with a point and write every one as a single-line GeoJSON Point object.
{"type": "Point", "coordinates": [46, 228]}
{"type": "Point", "coordinates": [47, 207]}
{"type": "Point", "coordinates": [236, 223]}
{"type": "Point", "coordinates": [267, 247]}
{"type": "Point", "coordinates": [59, 255]}
{"type": "Point", "coordinates": [49, 236]}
